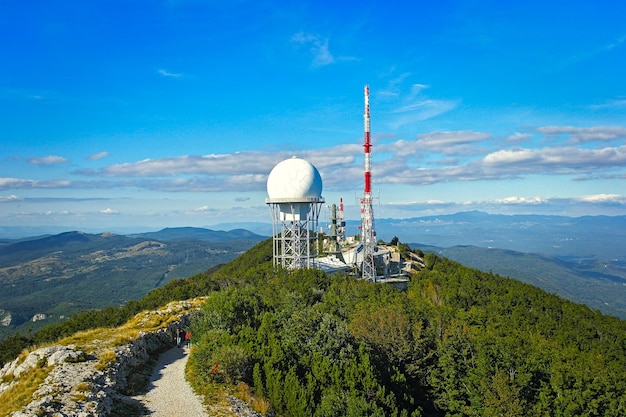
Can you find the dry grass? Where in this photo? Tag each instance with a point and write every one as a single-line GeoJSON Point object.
{"type": "Point", "coordinates": [20, 394]}
{"type": "Point", "coordinates": [95, 340]}
{"type": "Point", "coordinates": [107, 357]}
{"type": "Point", "coordinates": [83, 387]}
{"type": "Point", "coordinates": [81, 391]}
{"type": "Point", "coordinates": [244, 392]}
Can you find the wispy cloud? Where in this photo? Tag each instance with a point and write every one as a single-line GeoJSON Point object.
{"type": "Point", "coordinates": [610, 104]}
{"type": "Point", "coordinates": [618, 42]}
{"type": "Point", "coordinates": [19, 183]}
{"type": "Point", "coordinates": [97, 156]}
{"type": "Point", "coordinates": [518, 137]}
{"type": "Point", "coordinates": [462, 142]}
{"type": "Point", "coordinates": [48, 160]}
{"type": "Point", "coordinates": [318, 47]}
{"type": "Point", "coordinates": [421, 109]}
{"type": "Point", "coordinates": [169, 74]}
{"type": "Point", "coordinates": [407, 104]}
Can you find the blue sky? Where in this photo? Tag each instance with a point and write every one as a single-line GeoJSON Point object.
{"type": "Point", "coordinates": [163, 113]}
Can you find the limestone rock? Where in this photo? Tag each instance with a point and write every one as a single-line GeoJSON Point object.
{"type": "Point", "coordinates": [39, 317]}
{"type": "Point", "coordinates": [76, 385]}
{"type": "Point", "coordinates": [6, 318]}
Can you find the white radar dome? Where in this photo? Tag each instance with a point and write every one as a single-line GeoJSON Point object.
{"type": "Point", "coordinates": [294, 179]}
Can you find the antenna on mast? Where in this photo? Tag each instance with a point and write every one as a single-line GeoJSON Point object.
{"type": "Point", "coordinates": [368, 235]}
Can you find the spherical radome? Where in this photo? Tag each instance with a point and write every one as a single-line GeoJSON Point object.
{"type": "Point", "coordinates": [294, 179]}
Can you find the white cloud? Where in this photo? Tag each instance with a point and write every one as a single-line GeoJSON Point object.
{"type": "Point", "coordinates": [557, 159]}
{"type": "Point", "coordinates": [97, 156]}
{"type": "Point", "coordinates": [603, 198]}
{"type": "Point", "coordinates": [8, 183]}
{"type": "Point", "coordinates": [18, 183]}
{"type": "Point", "coordinates": [519, 137]}
{"type": "Point", "coordinates": [48, 160]}
{"type": "Point", "coordinates": [441, 140]}
{"type": "Point", "coordinates": [446, 143]}
{"type": "Point", "coordinates": [10, 198]}
{"type": "Point", "coordinates": [420, 162]}
{"type": "Point", "coordinates": [586, 134]}
{"type": "Point", "coordinates": [521, 200]}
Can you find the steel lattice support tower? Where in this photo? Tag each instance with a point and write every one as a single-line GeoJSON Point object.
{"type": "Point", "coordinates": [368, 234]}
{"type": "Point", "coordinates": [293, 232]}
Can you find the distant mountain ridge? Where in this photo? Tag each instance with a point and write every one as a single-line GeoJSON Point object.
{"type": "Point", "coordinates": [599, 237]}
{"type": "Point", "coordinates": [207, 235]}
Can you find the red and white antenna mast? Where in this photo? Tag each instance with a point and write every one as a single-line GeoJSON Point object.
{"type": "Point", "coordinates": [368, 235]}
{"type": "Point", "coordinates": [342, 222]}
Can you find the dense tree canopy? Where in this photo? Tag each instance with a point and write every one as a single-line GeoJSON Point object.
{"type": "Point", "coordinates": [459, 342]}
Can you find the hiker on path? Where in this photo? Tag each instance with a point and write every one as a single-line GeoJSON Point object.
{"type": "Point", "coordinates": [179, 336]}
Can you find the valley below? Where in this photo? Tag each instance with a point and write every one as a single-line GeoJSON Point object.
{"type": "Point", "coordinates": [45, 280]}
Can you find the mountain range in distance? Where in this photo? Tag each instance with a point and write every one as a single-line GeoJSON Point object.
{"type": "Point", "coordinates": [47, 278]}
{"type": "Point", "coordinates": [573, 238]}
{"type": "Point", "coordinates": [42, 277]}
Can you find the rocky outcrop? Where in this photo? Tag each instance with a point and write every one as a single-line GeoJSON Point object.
{"type": "Point", "coordinates": [39, 317]}
{"type": "Point", "coordinates": [5, 318]}
{"type": "Point", "coordinates": [84, 384]}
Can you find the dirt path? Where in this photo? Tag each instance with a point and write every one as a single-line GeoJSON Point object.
{"type": "Point", "coordinates": [169, 393]}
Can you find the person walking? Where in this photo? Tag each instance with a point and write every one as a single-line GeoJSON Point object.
{"type": "Point", "coordinates": [188, 338]}
{"type": "Point", "coordinates": [179, 336]}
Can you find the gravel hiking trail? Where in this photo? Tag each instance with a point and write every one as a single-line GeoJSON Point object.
{"type": "Point", "coordinates": [169, 394]}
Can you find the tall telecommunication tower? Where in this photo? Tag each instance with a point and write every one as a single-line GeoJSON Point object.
{"type": "Point", "coordinates": [368, 235]}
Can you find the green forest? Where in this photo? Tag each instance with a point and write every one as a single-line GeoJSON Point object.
{"type": "Point", "coordinates": [458, 342]}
